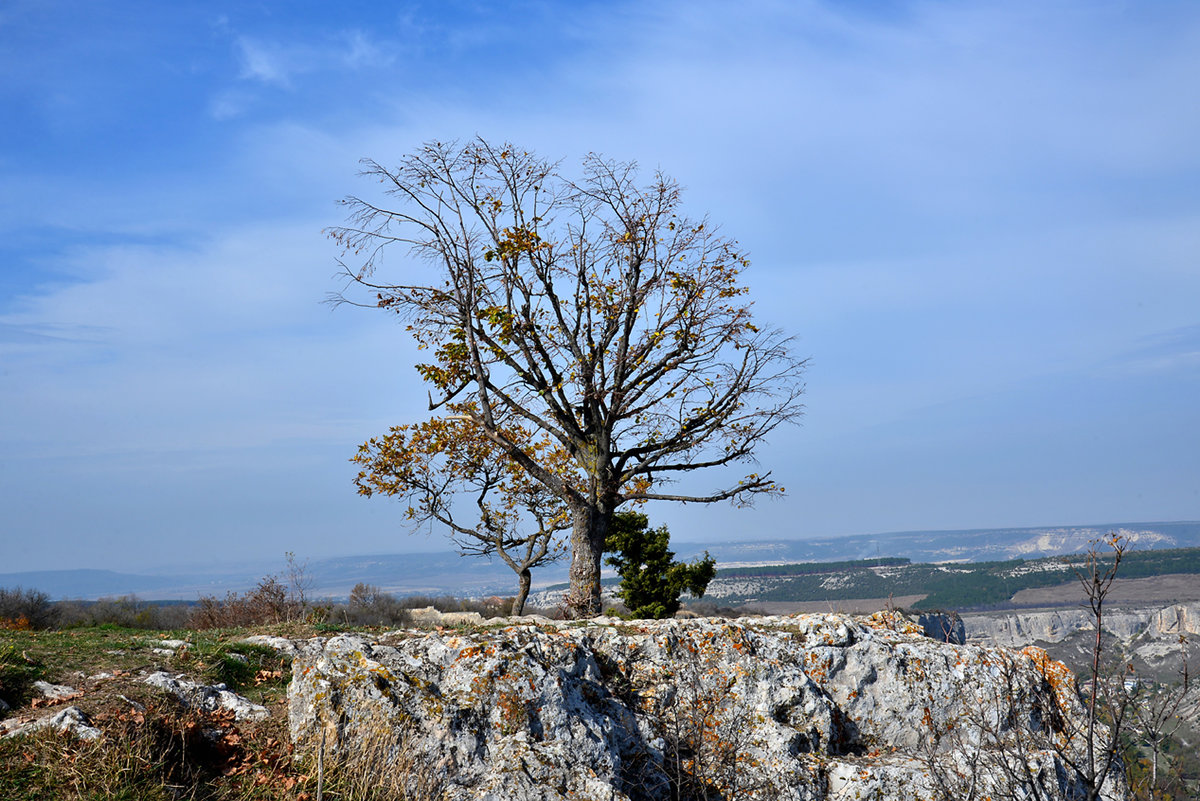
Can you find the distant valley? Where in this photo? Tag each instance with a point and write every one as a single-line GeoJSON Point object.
{"type": "Point", "coordinates": [448, 573]}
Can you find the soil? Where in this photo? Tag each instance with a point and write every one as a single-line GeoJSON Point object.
{"type": "Point", "coordinates": [857, 606]}
{"type": "Point", "coordinates": [1165, 590]}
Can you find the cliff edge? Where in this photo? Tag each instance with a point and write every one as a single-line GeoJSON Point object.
{"type": "Point", "coordinates": [804, 707]}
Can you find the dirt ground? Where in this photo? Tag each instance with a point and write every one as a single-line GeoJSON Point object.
{"type": "Point", "coordinates": [1168, 589]}
{"type": "Point", "coordinates": [1165, 590]}
{"type": "Point", "coordinates": [856, 606]}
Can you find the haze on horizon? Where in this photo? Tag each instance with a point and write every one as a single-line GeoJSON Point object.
{"type": "Point", "coordinates": [981, 222]}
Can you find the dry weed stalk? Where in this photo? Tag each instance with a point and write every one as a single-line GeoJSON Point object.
{"type": "Point", "coordinates": [706, 725]}
{"type": "Point", "coordinates": [379, 763]}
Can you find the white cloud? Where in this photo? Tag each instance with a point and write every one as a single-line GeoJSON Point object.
{"type": "Point", "coordinates": [946, 204]}
{"type": "Point", "coordinates": [229, 104]}
{"type": "Point", "coordinates": [363, 52]}
{"type": "Point", "coordinates": [266, 63]}
{"type": "Point", "coordinates": [222, 345]}
{"type": "Point", "coordinates": [280, 64]}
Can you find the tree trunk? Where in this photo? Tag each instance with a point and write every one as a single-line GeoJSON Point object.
{"type": "Point", "coordinates": [589, 526]}
{"type": "Point", "coordinates": [518, 607]}
{"type": "Point", "coordinates": [1154, 771]}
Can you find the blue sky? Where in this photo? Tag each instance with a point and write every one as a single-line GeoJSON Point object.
{"type": "Point", "coordinates": [980, 220]}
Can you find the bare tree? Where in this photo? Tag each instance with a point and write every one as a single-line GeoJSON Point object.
{"type": "Point", "coordinates": [1106, 694]}
{"type": "Point", "coordinates": [300, 583]}
{"type": "Point", "coordinates": [1158, 713]}
{"type": "Point", "coordinates": [592, 310]}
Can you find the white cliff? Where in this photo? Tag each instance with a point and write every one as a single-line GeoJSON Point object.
{"type": "Point", "coordinates": [1020, 628]}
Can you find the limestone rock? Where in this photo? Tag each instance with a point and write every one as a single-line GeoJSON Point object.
{"type": "Point", "coordinates": [1180, 619]}
{"type": "Point", "coordinates": [805, 707]}
{"type": "Point", "coordinates": [205, 697]}
{"type": "Point", "coordinates": [283, 645]}
{"type": "Point", "coordinates": [430, 616]}
{"type": "Point", "coordinates": [170, 645]}
{"type": "Point", "coordinates": [54, 692]}
{"type": "Point", "coordinates": [69, 719]}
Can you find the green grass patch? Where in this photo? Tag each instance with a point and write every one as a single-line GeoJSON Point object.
{"type": "Point", "coordinates": [18, 672]}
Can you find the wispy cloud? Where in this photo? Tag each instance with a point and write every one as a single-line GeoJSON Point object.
{"type": "Point", "coordinates": [42, 334]}
{"type": "Point", "coordinates": [363, 52]}
{"type": "Point", "coordinates": [269, 63]}
{"type": "Point", "coordinates": [280, 64]}
{"type": "Point", "coordinates": [962, 211]}
{"type": "Point", "coordinates": [229, 104]}
{"type": "Point", "coordinates": [1174, 351]}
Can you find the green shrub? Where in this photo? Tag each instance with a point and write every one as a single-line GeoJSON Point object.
{"type": "Point", "coordinates": [651, 579]}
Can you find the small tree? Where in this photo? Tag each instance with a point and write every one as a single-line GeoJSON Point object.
{"type": "Point", "coordinates": [371, 606]}
{"type": "Point", "coordinates": [592, 311]}
{"type": "Point", "coordinates": [1159, 712]}
{"type": "Point", "coordinates": [431, 465]}
{"type": "Point", "coordinates": [651, 579]}
{"type": "Point", "coordinates": [1107, 699]}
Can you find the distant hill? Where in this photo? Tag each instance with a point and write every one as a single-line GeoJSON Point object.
{"type": "Point", "coordinates": [448, 573]}
{"type": "Point", "coordinates": [959, 545]}
{"type": "Point", "coordinates": [947, 586]}
{"type": "Point", "coordinates": [92, 584]}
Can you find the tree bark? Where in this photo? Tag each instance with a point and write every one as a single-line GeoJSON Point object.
{"type": "Point", "coordinates": [518, 607]}
{"type": "Point", "coordinates": [589, 526]}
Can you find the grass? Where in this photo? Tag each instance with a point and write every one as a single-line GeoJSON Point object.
{"type": "Point", "coordinates": [155, 748]}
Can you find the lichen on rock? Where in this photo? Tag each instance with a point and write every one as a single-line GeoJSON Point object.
{"type": "Point", "coordinates": [805, 707]}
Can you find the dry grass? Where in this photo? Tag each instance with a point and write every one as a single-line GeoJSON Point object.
{"type": "Point", "coordinates": [154, 749]}
{"type": "Point", "coordinates": [163, 752]}
{"type": "Point", "coordinates": [356, 774]}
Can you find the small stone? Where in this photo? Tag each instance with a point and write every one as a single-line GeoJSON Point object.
{"type": "Point", "coordinates": [70, 719]}
{"type": "Point", "coordinates": [54, 692]}
{"type": "Point", "coordinates": [280, 644]}
{"type": "Point", "coordinates": [208, 698]}
{"type": "Point", "coordinates": [138, 707]}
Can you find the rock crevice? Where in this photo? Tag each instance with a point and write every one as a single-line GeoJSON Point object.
{"type": "Point", "coordinates": [806, 707]}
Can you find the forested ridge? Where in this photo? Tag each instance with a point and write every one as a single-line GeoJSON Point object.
{"type": "Point", "coordinates": [945, 586]}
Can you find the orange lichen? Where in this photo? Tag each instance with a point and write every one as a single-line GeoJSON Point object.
{"type": "Point", "coordinates": [1058, 675]}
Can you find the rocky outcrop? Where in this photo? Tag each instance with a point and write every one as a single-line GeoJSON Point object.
{"type": "Point", "coordinates": [1013, 629]}
{"type": "Point", "coordinates": [805, 707]}
{"type": "Point", "coordinates": [73, 720]}
{"type": "Point", "coordinates": [1149, 636]}
{"type": "Point", "coordinates": [430, 616]}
